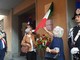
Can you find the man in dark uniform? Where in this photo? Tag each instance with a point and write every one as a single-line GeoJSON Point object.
{"type": "Point", "coordinates": [74, 37]}
{"type": "Point", "coordinates": [3, 44]}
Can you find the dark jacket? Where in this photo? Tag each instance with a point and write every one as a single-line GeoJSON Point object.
{"type": "Point", "coordinates": [56, 42]}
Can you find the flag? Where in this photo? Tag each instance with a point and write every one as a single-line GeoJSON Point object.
{"type": "Point", "coordinates": [77, 3]}
{"type": "Point", "coordinates": [43, 21]}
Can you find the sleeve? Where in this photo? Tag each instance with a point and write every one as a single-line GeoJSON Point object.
{"type": "Point", "coordinates": [23, 40]}
{"type": "Point", "coordinates": [55, 43]}
{"type": "Point", "coordinates": [69, 43]}
{"type": "Point", "coordinates": [69, 38]}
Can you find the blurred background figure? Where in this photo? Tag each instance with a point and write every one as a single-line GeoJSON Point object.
{"type": "Point", "coordinates": [3, 44]}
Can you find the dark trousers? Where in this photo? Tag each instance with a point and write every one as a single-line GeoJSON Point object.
{"type": "Point", "coordinates": [31, 56]}
{"type": "Point", "coordinates": [2, 54]}
{"type": "Point", "coordinates": [76, 57]}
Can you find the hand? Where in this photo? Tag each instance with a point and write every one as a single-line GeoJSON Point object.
{"type": "Point", "coordinates": [45, 28]}
{"type": "Point", "coordinates": [48, 49]}
{"type": "Point", "coordinates": [51, 34]}
{"type": "Point", "coordinates": [74, 50]}
{"type": "Point", "coordinates": [57, 49]}
{"type": "Point", "coordinates": [28, 45]}
{"type": "Point", "coordinates": [54, 51]}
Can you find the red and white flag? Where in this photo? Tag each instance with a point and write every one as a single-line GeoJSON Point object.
{"type": "Point", "coordinates": [43, 21]}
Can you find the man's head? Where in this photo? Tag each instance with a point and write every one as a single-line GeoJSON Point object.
{"type": "Point", "coordinates": [77, 18]}
{"type": "Point", "coordinates": [77, 15]}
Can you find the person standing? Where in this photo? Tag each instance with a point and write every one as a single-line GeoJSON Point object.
{"type": "Point", "coordinates": [55, 51]}
{"type": "Point", "coordinates": [74, 37]}
{"type": "Point", "coordinates": [29, 40]}
{"type": "Point", "coordinates": [3, 44]}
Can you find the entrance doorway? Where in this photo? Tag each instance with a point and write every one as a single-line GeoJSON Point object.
{"type": "Point", "coordinates": [28, 16]}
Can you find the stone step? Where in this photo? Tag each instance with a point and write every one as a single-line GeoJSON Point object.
{"type": "Point", "coordinates": [16, 58]}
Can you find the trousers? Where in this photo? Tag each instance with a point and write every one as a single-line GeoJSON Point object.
{"type": "Point", "coordinates": [31, 55]}
{"type": "Point", "coordinates": [2, 54]}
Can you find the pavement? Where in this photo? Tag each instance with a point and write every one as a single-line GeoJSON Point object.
{"type": "Point", "coordinates": [20, 58]}
{"type": "Point", "coordinates": [16, 58]}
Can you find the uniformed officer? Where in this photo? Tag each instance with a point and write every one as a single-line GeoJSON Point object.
{"type": "Point", "coordinates": [74, 37]}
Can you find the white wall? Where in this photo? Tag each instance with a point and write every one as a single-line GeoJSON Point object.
{"type": "Point", "coordinates": [8, 30]}
{"type": "Point", "coordinates": [11, 29]}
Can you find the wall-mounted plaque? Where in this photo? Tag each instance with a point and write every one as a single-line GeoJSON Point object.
{"type": "Point", "coordinates": [49, 24]}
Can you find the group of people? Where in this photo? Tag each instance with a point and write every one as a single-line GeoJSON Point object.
{"type": "Point", "coordinates": [55, 51]}
{"type": "Point", "coordinates": [54, 48]}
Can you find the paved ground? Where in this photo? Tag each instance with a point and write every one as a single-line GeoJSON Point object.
{"type": "Point", "coordinates": [16, 58]}
{"type": "Point", "coordinates": [20, 58]}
